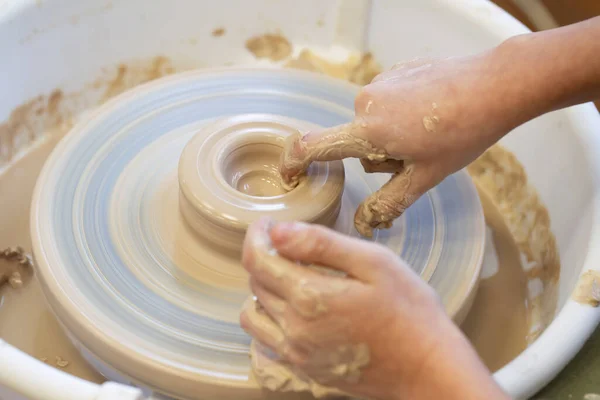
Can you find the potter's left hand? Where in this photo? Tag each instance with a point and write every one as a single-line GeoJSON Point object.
{"type": "Point", "coordinates": [377, 332]}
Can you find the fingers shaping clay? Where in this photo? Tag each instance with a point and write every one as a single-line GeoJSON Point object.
{"type": "Point", "coordinates": [381, 208]}
{"type": "Point", "coordinates": [140, 212]}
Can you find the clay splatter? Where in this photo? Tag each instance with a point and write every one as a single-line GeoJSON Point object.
{"type": "Point", "coordinates": [270, 46]}
{"type": "Point", "coordinates": [218, 32]}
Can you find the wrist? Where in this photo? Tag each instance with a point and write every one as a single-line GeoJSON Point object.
{"type": "Point", "coordinates": [550, 70]}
{"type": "Point", "coordinates": [521, 84]}
{"type": "Point", "coordinates": [454, 371]}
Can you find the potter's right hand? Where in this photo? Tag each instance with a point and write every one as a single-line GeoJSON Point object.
{"type": "Point", "coordinates": [428, 118]}
{"type": "Point", "coordinates": [421, 121]}
{"type": "Point", "coordinates": [379, 332]}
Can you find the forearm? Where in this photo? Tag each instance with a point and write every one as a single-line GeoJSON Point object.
{"type": "Point", "coordinates": [545, 71]}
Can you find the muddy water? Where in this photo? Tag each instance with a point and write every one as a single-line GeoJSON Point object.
{"type": "Point", "coordinates": [497, 324]}
{"type": "Point", "coordinates": [25, 321]}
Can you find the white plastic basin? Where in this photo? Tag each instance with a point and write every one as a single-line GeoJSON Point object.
{"type": "Point", "coordinates": [48, 44]}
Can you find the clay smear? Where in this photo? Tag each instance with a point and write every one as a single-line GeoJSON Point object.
{"type": "Point", "coordinates": [130, 75]}
{"type": "Point", "coordinates": [218, 32]}
{"type": "Point", "coordinates": [587, 290]}
{"type": "Point", "coordinates": [339, 142]}
{"type": "Point", "coordinates": [277, 376]}
{"type": "Point", "coordinates": [358, 68]}
{"type": "Point", "coordinates": [271, 46]}
{"type": "Point", "coordinates": [430, 121]}
{"type": "Point", "coordinates": [382, 207]}
{"type": "Point", "coordinates": [28, 122]}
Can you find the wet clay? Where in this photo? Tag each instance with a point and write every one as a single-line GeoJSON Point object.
{"type": "Point", "coordinates": [271, 46]}
{"type": "Point", "coordinates": [252, 170]}
{"type": "Point", "coordinates": [276, 376]}
{"type": "Point", "coordinates": [587, 290]}
{"type": "Point", "coordinates": [127, 76]}
{"type": "Point", "coordinates": [340, 142]}
{"type": "Point", "coordinates": [15, 267]}
{"type": "Point", "coordinates": [243, 153]}
{"type": "Point", "coordinates": [381, 208]}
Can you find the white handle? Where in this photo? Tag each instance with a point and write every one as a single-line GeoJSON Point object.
{"type": "Point", "coordinates": [36, 380]}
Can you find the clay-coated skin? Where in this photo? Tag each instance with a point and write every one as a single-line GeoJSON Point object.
{"type": "Point", "coordinates": [432, 117]}
{"type": "Point", "coordinates": [340, 330]}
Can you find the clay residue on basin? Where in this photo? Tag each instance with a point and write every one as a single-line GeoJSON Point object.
{"type": "Point", "coordinates": [358, 68]}
{"type": "Point", "coordinates": [28, 122]}
{"type": "Point", "coordinates": [587, 290]}
{"type": "Point", "coordinates": [218, 32]}
{"type": "Point", "coordinates": [131, 75]}
{"type": "Point", "coordinates": [274, 47]}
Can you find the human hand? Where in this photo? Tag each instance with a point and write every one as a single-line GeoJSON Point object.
{"type": "Point", "coordinates": [378, 331]}
{"type": "Point", "coordinates": [421, 121]}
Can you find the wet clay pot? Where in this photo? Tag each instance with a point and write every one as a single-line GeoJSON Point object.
{"type": "Point", "coordinates": [228, 178]}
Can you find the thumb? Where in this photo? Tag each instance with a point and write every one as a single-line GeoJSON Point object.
{"type": "Point", "coordinates": [381, 208]}
{"type": "Point", "coordinates": [336, 143]}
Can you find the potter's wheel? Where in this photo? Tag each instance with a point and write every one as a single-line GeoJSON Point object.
{"type": "Point", "coordinates": [156, 296]}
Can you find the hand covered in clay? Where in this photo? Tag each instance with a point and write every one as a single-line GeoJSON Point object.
{"type": "Point", "coordinates": [421, 121]}
{"type": "Point", "coordinates": [377, 332]}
